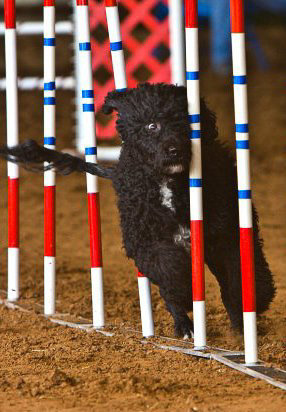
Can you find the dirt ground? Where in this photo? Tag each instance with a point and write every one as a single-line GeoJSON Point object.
{"type": "Point", "coordinates": [52, 368]}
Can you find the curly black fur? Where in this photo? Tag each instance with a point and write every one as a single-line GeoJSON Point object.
{"type": "Point", "coordinates": [151, 182]}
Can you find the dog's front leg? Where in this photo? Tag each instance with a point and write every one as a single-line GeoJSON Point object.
{"type": "Point", "coordinates": [183, 326]}
{"type": "Point", "coordinates": [168, 266]}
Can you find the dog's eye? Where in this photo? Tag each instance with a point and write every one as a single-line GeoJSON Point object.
{"type": "Point", "coordinates": [153, 127]}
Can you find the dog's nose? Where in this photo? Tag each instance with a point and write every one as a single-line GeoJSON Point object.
{"type": "Point", "coordinates": [173, 151]}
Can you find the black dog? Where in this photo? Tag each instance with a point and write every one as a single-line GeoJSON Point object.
{"type": "Point", "coordinates": [151, 182]}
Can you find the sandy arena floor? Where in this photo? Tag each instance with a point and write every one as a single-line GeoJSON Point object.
{"type": "Point", "coordinates": [52, 368]}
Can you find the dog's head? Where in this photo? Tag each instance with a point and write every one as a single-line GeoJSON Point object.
{"type": "Point", "coordinates": [152, 119]}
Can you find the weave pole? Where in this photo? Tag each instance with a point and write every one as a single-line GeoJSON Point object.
{"type": "Point", "coordinates": [119, 70]}
{"type": "Point", "coordinates": [195, 176]}
{"type": "Point", "coordinates": [12, 140]}
{"type": "Point", "coordinates": [177, 42]}
{"type": "Point", "coordinates": [88, 125]}
{"type": "Point", "coordinates": [116, 49]}
{"type": "Point", "coordinates": [49, 142]}
{"type": "Point", "coordinates": [243, 176]}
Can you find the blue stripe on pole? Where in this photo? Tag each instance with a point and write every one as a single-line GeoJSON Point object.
{"type": "Point", "coordinates": [194, 118]}
{"type": "Point", "coordinates": [90, 150]}
{"type": "Point", "coordinates": [122, 90]}
{"type": "Point", "coordinates": [49, 101]}
{"type": "Point", "coordinates": [49, 41]}
{"type": "Point", "coordinates": [50, 86]}
{"type": "Point", "coordinates": [84, 46]}
{"type": "Point", "coordinates": [116, 45]}
{"type": "Point", "coordinates": [50, 140]}
{"type": "Point", "coordinates": [242, 144]}
{"type": "Point", "coordinates": [244, 194]}
{"type": "Point", "coordinates": [195, 182]}
{"type": "Point", "coordinates": [241, 128]}
{"type": "Point", "coordinates": [86, 107]}
{"type": "Point", "coordinates": [87, 94]}
{"type": "Point", "coordinates": [239, 79]}
{"type": "Point", "coordinates": [192, 75]}
{"type": "Point", "coordinates": [194, 134]}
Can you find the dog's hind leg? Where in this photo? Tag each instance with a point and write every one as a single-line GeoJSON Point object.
{"type": "Point", "coordinates": [223, 261]}
{"type": "Point", "coordinates": [265, 289]}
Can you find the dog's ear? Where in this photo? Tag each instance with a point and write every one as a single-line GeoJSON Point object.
{"type": "Point", "coordinates": [112, 101]}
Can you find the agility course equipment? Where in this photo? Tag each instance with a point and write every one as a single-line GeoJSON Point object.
{"type": "Point", "coordinates": [232, 359]}
{"type": "Point", "coordinates": [12, 140]}
{"type": "Point", "coordinates": [119, 70]}
{"type": "Point", "coordinates": [49, 143]}
{"type": "Point", "coordinates": [88, 124]}
{"type": "Point", "coordinates": [195, 182]}
{"type": "Point", "coordinates": [243, 173]}
{"type": "Point", "coordinates": [177, 42]}
{"type": "Point", "coordinates": [243, 177]}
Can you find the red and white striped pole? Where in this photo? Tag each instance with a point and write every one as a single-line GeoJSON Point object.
{"type": "Point", "coordinates": [243, 176]}
{"type": "Point", "coordinates": [120, 81]}
{"type": "Point", "coordinates": [195, 182]}
{"type": "Point", "coordinates": [12, 140]}
{"type": "Point", "coordinates": [49, 142]}
{"type": "Point", "coordinates": [88, 124]}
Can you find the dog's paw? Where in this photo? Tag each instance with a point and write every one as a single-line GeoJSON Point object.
{"type": "Point", "coordinates": [184, 329]}
{"type": "Point", "coordinates": [189, 335]}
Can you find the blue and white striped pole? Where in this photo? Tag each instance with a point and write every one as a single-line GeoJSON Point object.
{"type": "Point", "coordinates": [243, 177]}
{"type": "Point", "coordinates": [120, 81]}
{"type": "Point", "coordinates": [88, 124]}
{"type": "Point", "coordinates": [117, 54]}
{"type": "Point", "coordinates": [196, 197]}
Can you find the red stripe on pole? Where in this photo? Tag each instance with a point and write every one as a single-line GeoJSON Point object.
{"type": "Point", "coordinates": [82, 2]}
{"type": "Point", "coordinates": [48, 3]}
{"type": "Point", "coordinates": [94, 230]}
{"type": "Point", "coordinates": [13, 212]}
{"type": "Point", "coordinates": [237, 16]}
{"type": "Point", "coordinates": [197, 252]}
{"type": "Point", "coordinates": [10, 14]}
{"type": "Point", "coordinates": [247, 270]}
{"type": "Point", "coordinates": [191, 12]}
{"type": "Point", "coordinates": [110, 3]}
{"type": "Point", "coordinates": [140, 275]}
{"type": "Point", "coordinates": [49, 221]}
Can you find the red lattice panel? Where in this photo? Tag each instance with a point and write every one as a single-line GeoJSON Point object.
{"type": "Point", "coordinates": [142, 33]}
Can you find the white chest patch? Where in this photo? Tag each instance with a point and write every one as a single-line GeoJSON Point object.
{"type": "Point", "coordinates": [167, 196]}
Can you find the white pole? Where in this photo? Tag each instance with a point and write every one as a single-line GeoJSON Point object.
{"type": "Point", "coordinates": [144, 288]}
{"type": "Point", "coordinates": [177, 42]}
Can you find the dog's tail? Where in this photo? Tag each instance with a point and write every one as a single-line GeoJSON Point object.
{"type": "Point", "coordinates": [32, 156]}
